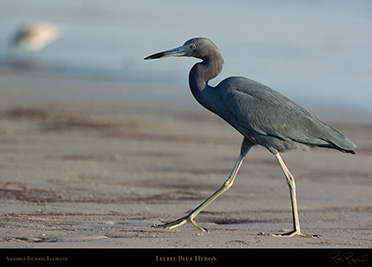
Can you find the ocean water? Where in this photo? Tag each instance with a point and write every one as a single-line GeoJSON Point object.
{"type": "Point", "coordinates": [317, 52]}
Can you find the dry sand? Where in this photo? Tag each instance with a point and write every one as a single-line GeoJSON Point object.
{"type": "Point", "coordinates": [89, 171]}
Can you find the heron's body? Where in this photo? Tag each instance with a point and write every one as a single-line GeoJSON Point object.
{"type": "Point", "coordinates": [263, 116]}
{"type": "Point", "coordinates": [266, 117]}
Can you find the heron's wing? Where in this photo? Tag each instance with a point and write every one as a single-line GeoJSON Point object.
{"type": "Point", "coordinates": [265, 113]}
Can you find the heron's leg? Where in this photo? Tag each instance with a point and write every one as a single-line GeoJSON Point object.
{"type": "Point", "coordinates": [292, 192]}
{"type": "Point", "coordinates": [246, 146]}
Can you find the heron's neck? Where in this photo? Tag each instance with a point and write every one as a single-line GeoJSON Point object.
{"type": "Point", "coordinates": [204, 71]}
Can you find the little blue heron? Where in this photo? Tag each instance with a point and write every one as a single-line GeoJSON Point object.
{"type": "Point", "coordinates": [263, 116]}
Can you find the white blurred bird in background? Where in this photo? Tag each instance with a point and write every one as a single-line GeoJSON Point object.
{"type": "Point", "coordinates": [35, 36]}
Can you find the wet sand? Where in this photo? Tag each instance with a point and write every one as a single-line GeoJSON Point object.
{"type": "Point", "coordinates": [81, 170]}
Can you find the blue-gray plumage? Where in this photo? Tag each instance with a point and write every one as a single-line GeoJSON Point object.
{"type": "Point", "coordinates": [263, 116]}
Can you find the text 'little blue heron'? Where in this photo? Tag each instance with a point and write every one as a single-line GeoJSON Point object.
{"type": "Point", "coordinates": [263, 116]}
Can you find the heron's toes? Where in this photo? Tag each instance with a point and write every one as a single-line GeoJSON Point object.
{"type": "Point", "coordinates": [290, 234]}
{"type": "Point", "coordinates": [178, 223]}
{"type": "Point", "coordinates": [171, 225]}
{"type": "Point", "coordinates": [198, 226]}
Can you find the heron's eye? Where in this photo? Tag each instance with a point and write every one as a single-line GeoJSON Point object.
{"type": "Point", "coordinates": [192, 46]}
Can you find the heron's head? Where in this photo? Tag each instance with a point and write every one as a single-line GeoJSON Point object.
{"type": "Point", "coordinates": [196, 47]}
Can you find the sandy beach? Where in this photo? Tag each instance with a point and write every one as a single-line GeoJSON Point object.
{"type": "Point", "coordinates": [80, 170]}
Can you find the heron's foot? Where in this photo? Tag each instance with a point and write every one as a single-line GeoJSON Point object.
{"type": "Point", "coordinates": [291, 234]}
{"type": "Point", "coordinates": [180, 222]}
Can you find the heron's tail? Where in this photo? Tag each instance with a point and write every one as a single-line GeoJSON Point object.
{"type": "Point", "coordinates": [337, 140]}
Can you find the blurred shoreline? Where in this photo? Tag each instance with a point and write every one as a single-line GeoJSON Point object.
{"type": "Point", "coordinates": [127, 89]}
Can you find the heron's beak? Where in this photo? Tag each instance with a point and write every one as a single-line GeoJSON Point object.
{"type": "Point", "coordinates": [176, 52]}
